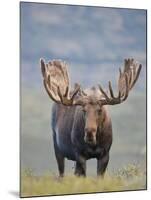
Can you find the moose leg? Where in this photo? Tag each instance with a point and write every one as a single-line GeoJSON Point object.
{"type": "Point", "coordinates": [102, 164]}
{"type": "Point", "coordinates": [60, 159]}
{"type": "Point", "coordinates": [80, 168]}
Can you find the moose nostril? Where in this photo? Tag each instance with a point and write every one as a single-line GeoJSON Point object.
{"type": "Point", "coordinates": [89, 134]}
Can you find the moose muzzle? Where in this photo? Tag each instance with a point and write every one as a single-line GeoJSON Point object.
{"type": "Point", "coordinates": [90, 136]}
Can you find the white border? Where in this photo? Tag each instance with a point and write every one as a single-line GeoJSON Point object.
{"type": "Point", "coordinates": [9, 99]}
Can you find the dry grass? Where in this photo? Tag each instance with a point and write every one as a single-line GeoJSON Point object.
{"type": "Point", "coordinates": [128, 178]}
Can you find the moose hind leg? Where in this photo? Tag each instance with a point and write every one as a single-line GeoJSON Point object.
{"type": "Point", "coordinates": [102, 164]}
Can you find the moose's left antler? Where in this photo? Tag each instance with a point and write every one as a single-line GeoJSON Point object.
{"type": "Point", "coordinates": [127, 80]}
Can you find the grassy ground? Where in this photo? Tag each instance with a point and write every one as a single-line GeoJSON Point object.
{"type": "Point", "coordinates": [130, 177]}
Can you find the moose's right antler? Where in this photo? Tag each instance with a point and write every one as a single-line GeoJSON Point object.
{"type": "Point", "coordinates": [127, 80]}
{"type": "Point", "coordinates": [56, 83]}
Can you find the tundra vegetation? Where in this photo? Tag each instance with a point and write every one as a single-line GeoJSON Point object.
{"type": "Point", "coordinates": [130, 177]}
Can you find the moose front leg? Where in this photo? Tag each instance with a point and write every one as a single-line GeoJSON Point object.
{"type": "Point", "coordinates": [102, 163]}
{"type": "Point", "coordinates": [80, 168]}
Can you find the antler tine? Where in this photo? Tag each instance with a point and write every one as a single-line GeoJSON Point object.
{"type": "Point", "coordinates": [49, 81]}
{"type": "Point", "coordinates": [111, 90]}
{"type": "Point", "coordinates": [64, 99]}
{"type": "Point", "coordinates": [104, 93]}
{"type": "Point", "coordinates": [43, 70]}
{"type": "Point", "coordinates": [127, 80]}
{"type": "Point", "coordinates": [136, 76]}
{"type": "Point", "coordinates": [126, 88]}
{"type": "Point", "coordinates": [75, 91]}
{"type": "Point", "coordinates": [66, 92]}
{"type": "Point", "coordinates": [120, 72]}
{"type": "Point", "coordinates": [133, 71]}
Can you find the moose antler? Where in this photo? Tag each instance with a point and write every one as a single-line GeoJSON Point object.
{"type": "Point", "coordinates": [127, 80]}
{"type": "Point", "coordinates": [56, 83]}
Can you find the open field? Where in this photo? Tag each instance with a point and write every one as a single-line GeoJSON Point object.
{"type": "Point", "coordinates": [131, 177]}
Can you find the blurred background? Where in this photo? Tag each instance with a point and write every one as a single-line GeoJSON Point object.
{"type": "Point", "coordinates": [94, 42]}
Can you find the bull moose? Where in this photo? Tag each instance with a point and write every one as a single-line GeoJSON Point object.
{"type": "Point", "coordinates": [81, 124]}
